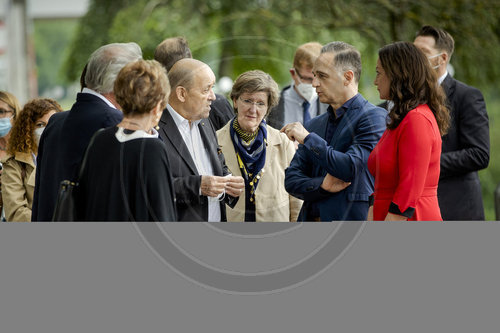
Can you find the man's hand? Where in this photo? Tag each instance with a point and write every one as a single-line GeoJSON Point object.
{"type": "Point", "coordinates": [295, 131]}
{"type": "Point", "coordinates": [212, 186]}
{"type": "Point", "coordinates": [333, 184]}
{"type": "Point", "coordinates": [235, 185]}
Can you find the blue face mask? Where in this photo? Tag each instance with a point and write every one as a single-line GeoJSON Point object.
{"type": "Point", "coordinates": [5, 126]}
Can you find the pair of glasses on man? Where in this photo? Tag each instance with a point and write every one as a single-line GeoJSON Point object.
{"type": "Point", "coordinates": [249, 103]}
{"type": "Point", "coordinates": [5, 113]}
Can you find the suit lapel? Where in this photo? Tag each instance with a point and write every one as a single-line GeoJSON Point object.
{"type": "Point", "coordinates": [171, 132]}
{"type": "Point", "coordinates": [226, 144]}
{"type": "Point", "coordinates": [210, 142]}
{"type": "Point", "coordinates": [448, 87]}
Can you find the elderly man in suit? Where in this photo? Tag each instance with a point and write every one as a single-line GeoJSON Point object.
{"type": "Point", "coordinates": [329, 171]}
{"type": "Point", "coordinates": [202, 182]}
{"type": "Point", "coordinates": [173, 49]}
{"type": "Point", "coordinates": [466, 147]}
{"type": "Point", "coordinates": [67, 134]}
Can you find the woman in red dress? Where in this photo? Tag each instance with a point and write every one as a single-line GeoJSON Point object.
{"type": "Point", "coordinates": [405, 162]}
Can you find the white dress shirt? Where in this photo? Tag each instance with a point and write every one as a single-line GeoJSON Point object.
{"type": "Point", "coordinates": [192, 138]}
{"type": "Point", "coordinates": [294, 111]}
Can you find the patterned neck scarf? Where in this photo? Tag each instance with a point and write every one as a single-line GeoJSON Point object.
{"type": "Point", "coordinates": [250, 152]}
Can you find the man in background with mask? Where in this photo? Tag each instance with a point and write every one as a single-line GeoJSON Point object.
{"type": "Point", "coordinates": [466, 146]}
{"type": "Point", "coordinates": [299, 102]}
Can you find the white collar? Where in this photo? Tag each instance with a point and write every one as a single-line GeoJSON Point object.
{"type": "Point", "coordinates": [441, 79]}
{"type": "Point", "coordinates": [95, 93]}
{"type": "Point", "coordinates": [121, 136]}
{"type": "Point", "coordinates": [180, 120]}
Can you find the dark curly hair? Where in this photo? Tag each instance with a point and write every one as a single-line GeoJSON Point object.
{"type": "Point", "coordinates": [22, 134]}
{"type": "Point", "coordinates": [413, 82]}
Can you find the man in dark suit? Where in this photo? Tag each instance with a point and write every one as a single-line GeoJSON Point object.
{"type": "Point", "coordinates": [329, 170]}
{"type": "Point", "coordinates": [67, 134]}
{"type": "Point", "coordinates": [173, 49]}
{"type": "Point", "coordinates": [202, 182]}
{"type": "Point", "coordinates": [466, 147]}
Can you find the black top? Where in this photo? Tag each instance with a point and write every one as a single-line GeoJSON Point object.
{"type": "Point", "coordinates": [221, 112]}
{"type": "Point", "coordinates": [126, 181]}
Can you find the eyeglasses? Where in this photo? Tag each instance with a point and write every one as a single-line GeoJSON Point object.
{"type": "Point", "coordinates": [302, 78]}
{"type": "Point", "coordinates": [4, 113]}
{"type": "Point", "coordinates": [249, 103]}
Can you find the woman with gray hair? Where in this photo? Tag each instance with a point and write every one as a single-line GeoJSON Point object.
{"type": "Point", "coordinates": [257, 152]}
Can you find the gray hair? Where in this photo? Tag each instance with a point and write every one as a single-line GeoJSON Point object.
{"type": "Point", "coordinates": [346, 57]}
{"type": "Point", "coordinates": [106, 62]}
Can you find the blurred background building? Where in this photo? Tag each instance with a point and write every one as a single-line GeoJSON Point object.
{"type": "Point", "coordinates": [18, 61]}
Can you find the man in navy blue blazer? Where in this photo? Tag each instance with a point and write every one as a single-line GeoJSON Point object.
{"type": "Point", "coordinates": [67, 134]}
{"type": "Point", "coordinates": [329, 170]}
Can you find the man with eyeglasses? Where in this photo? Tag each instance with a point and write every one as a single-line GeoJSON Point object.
{"type": "Point", "coordinates": [299, 101]}
{"type": "Point", "coordinates": [466, 147]}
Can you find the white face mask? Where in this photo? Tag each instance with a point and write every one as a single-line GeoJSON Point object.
{"type": "Point", "coordinates": [435, 56]}
{"type": "Point", "coordinates": [38, 134]}
{"type": "Point", "coordinates": [307, 91]}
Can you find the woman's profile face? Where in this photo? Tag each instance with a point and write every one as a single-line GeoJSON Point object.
{"type": "Point", "coordinates": [252, 107]}
{"type": "Point", "coordinates": [382, 82]}
{"type": "Point", "coordinates": [44, 120]}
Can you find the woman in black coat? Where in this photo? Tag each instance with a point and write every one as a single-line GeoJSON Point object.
{"type": "Point", "coordinates": [126, 176]}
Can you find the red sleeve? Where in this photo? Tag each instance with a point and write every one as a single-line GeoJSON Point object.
{"type": "Point", "coordinates": [414, 154]}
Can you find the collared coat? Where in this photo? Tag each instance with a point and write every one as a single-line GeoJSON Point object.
{"type": "Point", "coordinates": [272, 201]}
{"type": "Point", "coordinates": [18, 184]}
{"type": "Point", "coordinates": [466, 149]}
{"type": "Point", "coordinates": [191, 205]}
{"type": "Point", "coordinates": [344, 157]}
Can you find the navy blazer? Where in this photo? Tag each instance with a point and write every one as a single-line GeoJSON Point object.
{"type": "Point", "coordinates": [62, 146]}
{"type": "Point", "coordinates": [191, 206]}
{"type": "Point", "coordinates": [345, 157]}
{"type": "Point", "coordinates": [465, 150]}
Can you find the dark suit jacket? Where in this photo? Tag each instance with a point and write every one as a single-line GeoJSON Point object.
{"type": "Point", "coordinates": [221, 112]}
{"type": "Point", "coordinates": [62, 146]}
{"type": "Point", "coordinates": [345, 157]}
{"type": "Point", "coordinates": [191, 206]}
{"type": "Point", "coordinates": [465, 150]}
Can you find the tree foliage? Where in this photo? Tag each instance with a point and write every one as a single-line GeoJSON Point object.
{"type": "Point", "coordinates": [234, 36]}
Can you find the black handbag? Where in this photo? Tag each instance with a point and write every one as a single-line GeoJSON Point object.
{"type": "Point", "coordinates": [65, 209]}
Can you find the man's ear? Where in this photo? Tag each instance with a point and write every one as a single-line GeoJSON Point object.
{"type": "Point", "coordinates": [445, 57]}
{"type": "Point", "coordinates": [181, 93]}
{"type": "Point", "coordinates": [348, 77]}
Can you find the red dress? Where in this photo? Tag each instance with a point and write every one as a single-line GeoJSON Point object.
{"type": "Point", "coordinates": [405, 164]}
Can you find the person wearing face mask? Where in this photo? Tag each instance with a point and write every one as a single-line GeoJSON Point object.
{"type": "Point", "coordinates": [18, 177]}
{"type": "Point", "coordinates": [299, 101]}
{"type": "Point", "coordinates": [9, 108]}
{"type": "Point", "coordinates": [466, 147]}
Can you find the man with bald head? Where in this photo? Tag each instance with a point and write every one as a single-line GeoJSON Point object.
{"type": "Point", "coordinates": [173, 49]}
{"type": "Point", "coordinates": [202, 182]}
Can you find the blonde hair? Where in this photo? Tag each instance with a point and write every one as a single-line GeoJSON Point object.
{"type": "Point", "coordinates": [306, 55]}
{"type": "Point", "coordinates": [11, 101]}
